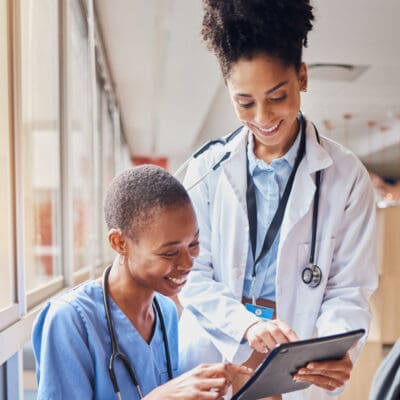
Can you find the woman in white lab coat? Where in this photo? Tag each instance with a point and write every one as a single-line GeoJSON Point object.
{"type": "Point", "coordinates": [259, 47]}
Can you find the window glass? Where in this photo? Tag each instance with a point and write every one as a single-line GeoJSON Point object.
{"type": "Point", "coordinates": [40, 142]}
{"type": "Point", "coordinates": [80, 137]}
{"type": "Point", "coordinates": [6, 267]}
{"type": "Point", "coordinates": [108, 164]}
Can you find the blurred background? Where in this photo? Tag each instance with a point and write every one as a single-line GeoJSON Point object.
{"type": "Point", "coordinates": [89, 87]}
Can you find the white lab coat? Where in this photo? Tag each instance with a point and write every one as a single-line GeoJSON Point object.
{"type": "Point", "coordinates": [214, 320]}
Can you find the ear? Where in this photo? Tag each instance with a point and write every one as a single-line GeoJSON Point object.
{"type": "Point", "coordinates": [303, 77]}
{"type": "Point", "coordinates": [117, 241]}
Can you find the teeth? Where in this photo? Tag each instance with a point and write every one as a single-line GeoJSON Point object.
{"type": "Point", "coordinates": [177, 281]}
{"type": "Point", "coordinates": [269, 129]}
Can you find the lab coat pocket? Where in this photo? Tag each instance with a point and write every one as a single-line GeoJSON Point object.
{"type": "Point", "coordinates": [323, 256]}
{"type": "Point", "coordinates": [313, 296]}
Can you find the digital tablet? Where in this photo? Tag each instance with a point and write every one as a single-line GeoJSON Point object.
{"type": "Point", "coordinates": [274, 375]}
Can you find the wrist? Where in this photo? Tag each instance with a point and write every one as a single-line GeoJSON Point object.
{"type": "Point", "coordinates": [249, 327]}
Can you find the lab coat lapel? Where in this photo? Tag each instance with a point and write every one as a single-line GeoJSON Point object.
{"type": "Point", "coordinates": [303, 190]}
{"type": "Point", "coordinates": [233, 180]}
{"type": "Point", "coordinates": [234, 171]}
{"type": "Point", "coordinates": [299, 202]}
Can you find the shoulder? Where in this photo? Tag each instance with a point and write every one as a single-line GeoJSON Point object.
{"type": "Point", "coordinates": [345, 172]}
{"type": "Point", "coordinates": [213, 150]}
{"type": "Point", "coordinates": [69, 310]}
{"type": "Point", "coordinates": [344, 160]}
{"type": "Point", "coordinates": [214, 154]}
{"type": "Point", "coordinates": [339, 152]}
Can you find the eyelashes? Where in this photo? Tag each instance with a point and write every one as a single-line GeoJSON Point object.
{"type": "Point", "coordinates": [245, 105]}
{"type": "Point", "coordinates": [193, 247]}
{"type": "Point", "coordinates": [272, 99]}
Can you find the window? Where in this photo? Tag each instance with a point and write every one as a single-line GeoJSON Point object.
{"type": "Point", "coordinates": [6, 259]}
{"type": "Point", "coordinates": [40, 141]}
{"type": "Point", "coordinates": [108, 164]}
{"type": "Point", "coordinates": [53, 169]}
{"type": "Point", "coordinates": [80, 137]}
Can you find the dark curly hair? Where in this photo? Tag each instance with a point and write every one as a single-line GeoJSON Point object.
{"type": "Point", "coordinates": [137, 193]}
{"type": "Point", "coordinates": [235, 29]}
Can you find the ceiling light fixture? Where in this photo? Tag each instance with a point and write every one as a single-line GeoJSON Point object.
{"type": "Point", "coordinates": [335, 71]}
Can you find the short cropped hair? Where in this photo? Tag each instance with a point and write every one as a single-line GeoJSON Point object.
{"type": "Point", "coordinates": [235, 29]}
{"type": "Point", "coordinates": [137, 193]}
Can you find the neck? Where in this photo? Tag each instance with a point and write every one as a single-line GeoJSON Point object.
{"type": "Point", "coordinates": [132, 298]}
{"type": "Point", "coordinates": [135, 301]}
{"type": "Point", "coordinates": [266, 153]}
{"type": "Point", "coordinates": [270, 153]}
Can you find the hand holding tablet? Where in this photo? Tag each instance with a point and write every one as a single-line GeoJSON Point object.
{"type": "Point", "coordinates": [329, 375]}
{"type": "Point", "coordinates": [280, 371]}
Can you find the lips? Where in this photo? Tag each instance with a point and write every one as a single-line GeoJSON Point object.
{"type": "Point", "coordinates": [267, 131]}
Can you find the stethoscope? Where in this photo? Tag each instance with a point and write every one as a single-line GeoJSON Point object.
{"type": "Point", "coordinates": [116, 352]}
{"type": "Point", "coordinates": [312, 274]}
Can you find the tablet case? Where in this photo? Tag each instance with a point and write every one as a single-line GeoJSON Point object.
{"type": "Point", "coordinates": [274, 375]}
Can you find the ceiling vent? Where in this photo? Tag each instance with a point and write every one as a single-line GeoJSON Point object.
{"type": "Point", "coordinates": [335, 72]}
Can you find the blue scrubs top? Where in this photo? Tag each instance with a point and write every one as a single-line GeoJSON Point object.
{"type": "Point", "coordinates": [72, 347]}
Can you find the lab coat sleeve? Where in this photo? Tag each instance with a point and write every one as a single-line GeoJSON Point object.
{"type": "Point", "coordinates": [353, 275]}
{"type": "Point", "coordinates": [212, 302]}
{"type": "Point", "coordinates": [64, 367]}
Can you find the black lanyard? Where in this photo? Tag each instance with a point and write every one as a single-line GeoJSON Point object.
{"type": "Point", "coordinates": [278, 217]}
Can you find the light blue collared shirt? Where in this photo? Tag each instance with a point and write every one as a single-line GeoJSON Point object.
{"type": "Point", "coordinates": [269, 181]}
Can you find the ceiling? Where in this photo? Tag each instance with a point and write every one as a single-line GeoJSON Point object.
{"type": "Point", "coordinates": [172, 97]}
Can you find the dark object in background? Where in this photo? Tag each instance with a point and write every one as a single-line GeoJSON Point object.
{"type": "Point", "coordinates": [386, 382]}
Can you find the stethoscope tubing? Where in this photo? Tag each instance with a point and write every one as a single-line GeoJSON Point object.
{"type": "Point", "coordinates": [117, 354]}
{"type": "Point", "coordinates": [312, 275]}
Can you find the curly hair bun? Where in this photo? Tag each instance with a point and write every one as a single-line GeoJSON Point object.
{"type": "Point", "coordinates": [233, 29]}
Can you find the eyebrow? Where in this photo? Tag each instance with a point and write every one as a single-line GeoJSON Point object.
{"type": "Point", "coordinates": [177, 242]}
{"type": "Point", "coordinates": [269, 91]}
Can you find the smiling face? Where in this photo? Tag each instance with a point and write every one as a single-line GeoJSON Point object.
{"type": "Point", "coordinates": [162, 255]}
{"type": "Point", "coordinates": [266, 97]}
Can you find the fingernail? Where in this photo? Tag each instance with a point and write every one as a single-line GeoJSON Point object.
{"type": "Point", "coordinates": [301, 371]}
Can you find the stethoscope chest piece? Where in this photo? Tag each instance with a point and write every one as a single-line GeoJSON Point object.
{"type": "Point", "coordinates": [312, 275]}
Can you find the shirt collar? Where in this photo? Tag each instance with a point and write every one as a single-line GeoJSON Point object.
{"type": "Point", "coordinates": [289, 157]}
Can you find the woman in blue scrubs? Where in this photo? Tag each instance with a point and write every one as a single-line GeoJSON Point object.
{"type": "Point", "coordinates": [153, 229]}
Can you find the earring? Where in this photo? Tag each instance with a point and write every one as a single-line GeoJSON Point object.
{"type": "Point", "coordinates": [121, 259]}
{"type": "Point", "coordinates": [304, 89]}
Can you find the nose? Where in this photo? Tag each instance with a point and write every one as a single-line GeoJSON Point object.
{"type": "Point", "coordinates": [264, 114]}
{"type": "Point", "coordinates": [185, 261]}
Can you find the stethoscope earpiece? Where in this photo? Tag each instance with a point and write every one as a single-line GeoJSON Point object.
{"type": "Point", "coordinates": [312, 275]}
